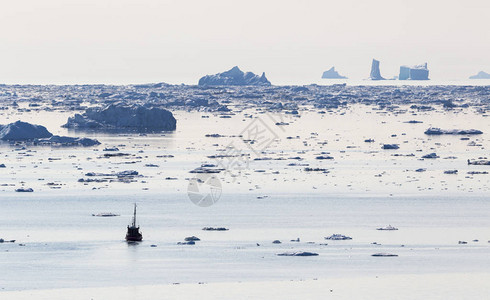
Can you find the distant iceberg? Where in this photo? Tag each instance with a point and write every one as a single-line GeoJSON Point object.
{"type": "Point", "coordinates": [419, 72]}
{"type": "Point", "coordinates": [481, 75]}
{"type": "Point", "coordinates": [375, 73]}
{"type": "Point", "coordinates": [332, 74]}
{"type": "Point", "coordinates": [234, 76]}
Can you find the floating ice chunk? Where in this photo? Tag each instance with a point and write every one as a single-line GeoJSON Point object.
{"type": "Point", "coordinates": [431, 156]}
{"type": "Point", "coordinates": [338, 237]}
{"type": "Point", "coordinates": [67, 141]}
{"type": "Point", "coordinates": [439, 131]}
{"type": "Point", "coordinates": [385, 255]}
{"type": "Point", "coordinates": [390, 146]}
{"type": "Point", "coordinates": [24, 190]}
{"type": "Point", "coordinates": [299, 253]}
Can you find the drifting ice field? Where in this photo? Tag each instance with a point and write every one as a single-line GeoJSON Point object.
{"type": "Point", "coordinates": [265, 195]}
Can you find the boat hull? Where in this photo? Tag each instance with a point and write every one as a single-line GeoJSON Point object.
{"type": "Point", "coordinates": [134, 238]}
{"type": "Point", "coordinates": [134, 234]}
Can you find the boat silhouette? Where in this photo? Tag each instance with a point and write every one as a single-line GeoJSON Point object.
{"type": "Point", "coordinates": [134, 234]}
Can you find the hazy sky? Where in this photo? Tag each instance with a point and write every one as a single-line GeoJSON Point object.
{"type": "Point", "coordinates": [131, 41]}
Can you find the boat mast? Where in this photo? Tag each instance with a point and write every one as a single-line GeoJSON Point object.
{"type": "Point", "coordinates": [134, 217]}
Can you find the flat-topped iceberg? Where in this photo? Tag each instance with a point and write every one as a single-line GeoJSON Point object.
{"type": "Point", "coordinates": [234, 76]}
{"type": "Point", "coordinates": [420, 72]}
{"type": "Point", "coordinates": [332, 74]}
{"type": "Point", "coordinates": [124, 117]}
{"type": "Point", "coordinates": [439, 131]}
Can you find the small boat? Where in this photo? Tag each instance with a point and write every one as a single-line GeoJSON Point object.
{"type": "Point", "coordinates": [389, 227]}
{"type": "Point", "coordinates": [134, 234]}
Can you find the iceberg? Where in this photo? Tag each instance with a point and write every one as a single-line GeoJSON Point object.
{"type": "Point", "coordinates": [234, 76]}
{"type": "Point", "coordinates": [431, 156]}
{"type": "Point", "coordinates": [419, 72]}
{"type": "Point", "coordinates": [332, 74]}
{"type": "Point", "coordinates": [24, 190]}
{"type": "Point", "coordinates": [57, 140]}
{"type": "Point", "coordinates": [480, 75]}
{"type": "Point", "coordinates": [481, 162]}
{"type": "Point", "coordinates": [439, 131]}
{"type": "Point", "coordinates": [338, 237]}
{"type": "Point", "coordinates": [390, 146]}
{"type": "Point", "coordinates": [375, 73]}
{"type": "Point", "coordinates": [40, 136]}
{"type": "Point", "coordinates": [22, 131]}
{"type": "Point", "coordinates": [123, 117]}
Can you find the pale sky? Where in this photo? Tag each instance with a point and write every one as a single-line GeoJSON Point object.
{"type": "Point", "coordinates": [134, 41]}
